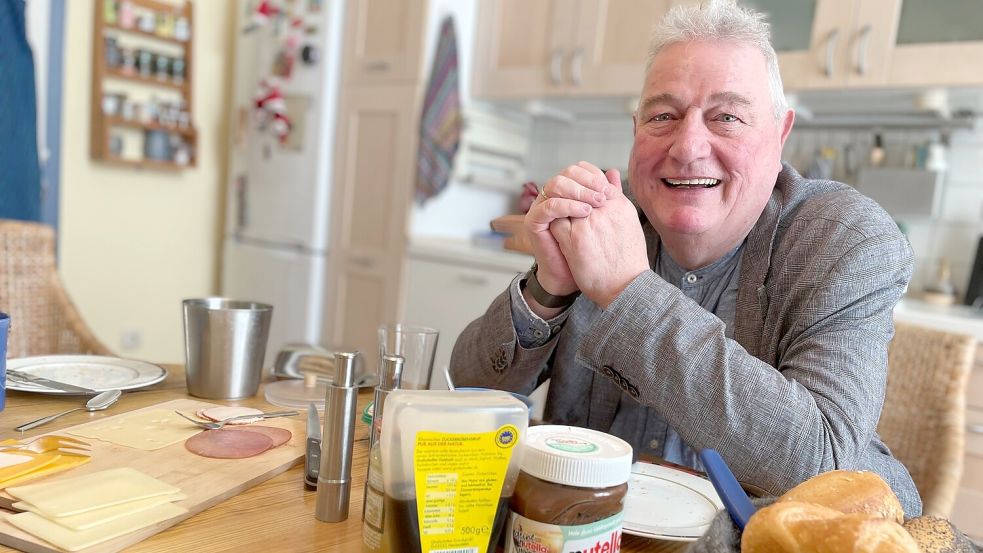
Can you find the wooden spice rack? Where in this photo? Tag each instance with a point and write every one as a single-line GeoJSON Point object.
{"type": "Point", "coordinates": [116, 74]}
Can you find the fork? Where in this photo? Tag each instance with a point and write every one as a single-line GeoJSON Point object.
{"type": "Point", "coordinates": [43, 444]}
{"type": "Point", "coordinates": [221, 423]}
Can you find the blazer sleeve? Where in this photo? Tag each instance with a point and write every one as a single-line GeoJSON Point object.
{"type": "Point", "coordinates": [815, 404]}
{"type": "Point", "coordinates": [488, 353]}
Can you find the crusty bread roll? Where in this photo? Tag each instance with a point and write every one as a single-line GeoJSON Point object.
{"type": "Point", "coordinates": [849, 491]}
{"type": "Point", "coordinates": [792, 526]}
{"type": "Point", "coordinates": [937, 535]}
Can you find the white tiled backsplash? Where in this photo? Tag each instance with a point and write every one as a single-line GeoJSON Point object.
{"type": "Point", "coordinates": [951, 234]}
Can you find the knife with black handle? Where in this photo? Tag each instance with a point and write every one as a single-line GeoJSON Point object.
{"type": "Point", "coordinates": [312, 459]}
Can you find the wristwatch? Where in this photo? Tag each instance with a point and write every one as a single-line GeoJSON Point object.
{"type": "Point", "coordinates": [543, 297]}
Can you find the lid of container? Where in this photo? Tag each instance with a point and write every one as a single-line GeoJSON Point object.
{"type": "Point", "coordinates": [297, 393]}
{"type": "Point", "coordinates": [576, 456]}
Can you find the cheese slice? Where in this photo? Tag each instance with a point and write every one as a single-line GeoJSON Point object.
{"type": "Point", "coordinates": [74, 540]}
{"type": "Point", "coordinates": [71, 496]}
{"type": "Point", "coordinates": [64, 462]}
{"type": "Point", "coordinates": [146, 430]}
{"type": "Point", "coordinates": [11, 459]}
{"type": "Point", "coordinates": [23, 462]}
{"type": "Point", "coordinates": [96, 517]}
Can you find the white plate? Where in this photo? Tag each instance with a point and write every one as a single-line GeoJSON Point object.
{"type": "Point", "coordinates": [668, 504]}
{"type": "Point", "coordinates": [90, 371]}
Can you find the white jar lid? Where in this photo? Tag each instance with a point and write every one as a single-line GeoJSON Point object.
{"type": "Point", "coordinates": [576, 456]}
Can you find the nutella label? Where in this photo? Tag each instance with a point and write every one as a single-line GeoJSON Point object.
{"type": "Point", "coordinates": [523, 535]}
{"type": "Point", "coordinates": [571, 444]}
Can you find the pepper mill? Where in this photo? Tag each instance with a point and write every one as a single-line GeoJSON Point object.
{"type": "Point", "coordinates": [334, 481]}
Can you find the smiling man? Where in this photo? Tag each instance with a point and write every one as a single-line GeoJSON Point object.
{"type": "Point", "coordinates": [729, 304]}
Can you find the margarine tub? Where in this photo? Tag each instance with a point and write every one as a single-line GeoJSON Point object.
{"type": "Point", "coordinates": [449, 463]}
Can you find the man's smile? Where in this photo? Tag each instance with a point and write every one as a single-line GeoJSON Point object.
{"type": "Point", "coordinates": [691, 183]}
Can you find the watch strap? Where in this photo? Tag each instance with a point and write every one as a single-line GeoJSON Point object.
{"type": "Point", "coordinates": [543, 297]}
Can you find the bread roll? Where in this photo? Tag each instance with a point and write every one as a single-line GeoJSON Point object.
{"type": "Point", "coordinates": [792, 526]}
{"type": "Point", "coordinates": [849, 491]}
{"type": "Point", "coordinates": [937, 535]}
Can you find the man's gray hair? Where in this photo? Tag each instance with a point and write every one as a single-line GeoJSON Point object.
{"type": "Point", "coordinates": [721, 20]}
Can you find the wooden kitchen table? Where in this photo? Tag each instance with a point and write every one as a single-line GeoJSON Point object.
{"type": "Point", "coordinates": [276, 515]}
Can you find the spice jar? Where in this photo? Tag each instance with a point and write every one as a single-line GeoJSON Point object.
{"type": "Point", "coordinates": [570, 492]}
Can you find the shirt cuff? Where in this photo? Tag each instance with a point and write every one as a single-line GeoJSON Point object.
{"type": "Point", "coordinates": [532, 330]}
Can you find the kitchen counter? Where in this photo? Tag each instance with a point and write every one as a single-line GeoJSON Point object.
{"type": "Point", "coordinates": [456, 250]}
{"type": "Point", "coordinates": [952, 318]}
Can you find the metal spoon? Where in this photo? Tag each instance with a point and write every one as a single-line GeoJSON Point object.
{"type": "Point", "coordinates": [447, 378]}
{"type": "Point", "coordinates": [97, 403]}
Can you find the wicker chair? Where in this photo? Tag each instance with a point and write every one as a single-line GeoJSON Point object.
{"type": "Point", "coordinates": [42, 317]}
{"type": "Point", "coordinates": [924, 416]}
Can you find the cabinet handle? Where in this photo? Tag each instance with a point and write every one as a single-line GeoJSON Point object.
{"type": "Point", "coordinates": [377, 66]}
{"type": "Point", "coordinates": [555, 76]}
{"type": "Point", "coordinates": [834, 35]}
{"type": "Point", "coordinates": [473, 279]}
{"type": "Point", "coordinates": [577, 66]}
{"type": "Point", "coordinates": [361, 260]}
{"type": "Point", "coordinates": [974, 428]}
{"type": "Point", "coordinates": [862, 45]}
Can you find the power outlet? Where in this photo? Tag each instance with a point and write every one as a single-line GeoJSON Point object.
{"type": "Point", "coordinates": [130, 339]}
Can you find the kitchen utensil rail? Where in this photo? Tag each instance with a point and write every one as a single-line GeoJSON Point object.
{"type": "Point", "coordinates": [43, 444]}
{"type": "Point", "coordinates": [221, 423]}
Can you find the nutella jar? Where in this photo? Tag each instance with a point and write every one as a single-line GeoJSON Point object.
{"type": "Point", "coordinates": [570, 492]}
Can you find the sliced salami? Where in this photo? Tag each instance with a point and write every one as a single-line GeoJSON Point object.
{"type": "Point", "coordinates": [279, 436]}
{"type": "Point", "coordinates": [222, 413]}
{"type": "Point", "coordinates": [228, 444]}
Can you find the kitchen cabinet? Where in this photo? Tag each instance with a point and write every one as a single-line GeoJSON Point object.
{"type": "Point", "coordinates": [450, 284]}
{"type": "Point", "coordinates": [375, 165]}
{"type": "Point", "coordinates": [370, 205]}
{"type": "Point", "coordinates": [936, 43]}
{"type": "Point", "coordinates": [832, 44]}
{"type": "Point", "coordinates": [562, 47]}
{"type": "Point", "coordinates": [385, 38]}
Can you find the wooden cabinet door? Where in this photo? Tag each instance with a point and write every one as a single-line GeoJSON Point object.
{"type": "Point", "coordinates": [812, 39]}
{"type": "Point", "coordinates": [609, 57]}
{"type": "Point", "coordinates": [933, 43]}
{"type": "Point", "coordinates": [373, 187]}
{"type": "Point", "coordinates": [522, 47]}
{"type": "Point", "coordinates": [385, 41]}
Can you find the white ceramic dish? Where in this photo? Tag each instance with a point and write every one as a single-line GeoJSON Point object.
{"type": "Point", "coordinates": [668, 504]}
{"type": "Point", "coordinates": [89, 371]}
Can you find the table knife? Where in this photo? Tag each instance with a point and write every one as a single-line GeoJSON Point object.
{"type": "Point", "coordinates": [312, 459]}
{"type": "Point", "coordinates": [48, 383]}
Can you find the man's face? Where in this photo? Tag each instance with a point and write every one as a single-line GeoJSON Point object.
{"type": "Point", "coordinates": [707, 145]}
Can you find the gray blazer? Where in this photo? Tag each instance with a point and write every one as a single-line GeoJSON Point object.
{"type": "Point", "coordinates": [799, 389]}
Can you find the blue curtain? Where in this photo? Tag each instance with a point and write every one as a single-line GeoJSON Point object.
{"type": "Point", "coordinates": [20, 174]}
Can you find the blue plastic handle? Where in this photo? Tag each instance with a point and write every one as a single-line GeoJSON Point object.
{"type": "Point", "coordinates": [728, 488]}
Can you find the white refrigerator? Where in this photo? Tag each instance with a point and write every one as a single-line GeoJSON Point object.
{"type": "Point", "coordinates": [278, 195]}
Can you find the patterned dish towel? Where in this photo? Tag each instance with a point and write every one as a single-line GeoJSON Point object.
{"type": "Point", "coordinates": [440, 127]}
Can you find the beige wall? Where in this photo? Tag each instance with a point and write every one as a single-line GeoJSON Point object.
{"type": "Point", "coordinates": [134, 243]}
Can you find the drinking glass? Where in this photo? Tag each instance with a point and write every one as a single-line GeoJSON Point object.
{"type": "Point", "coordinates": [417, 345]}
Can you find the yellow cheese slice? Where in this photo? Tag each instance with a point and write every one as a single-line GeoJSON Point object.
{"type": "Point", "coordinates": [96, 517]}
{"type": "Point", "coordinates": [74, 540]}
{"type": "Point", "coordinates": [64, 462]}
{"type": "Point", "coordinates": [71, 496]}
{"type": "Point", "coordinates": [8, 459]}
{"type": "Point", "coordinates": [23, 462]}
{"type": "Point", "coordinates": [146, 430]}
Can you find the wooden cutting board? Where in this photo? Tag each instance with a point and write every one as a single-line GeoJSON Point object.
{"type": "Point", "coordinates": [205, 481]}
